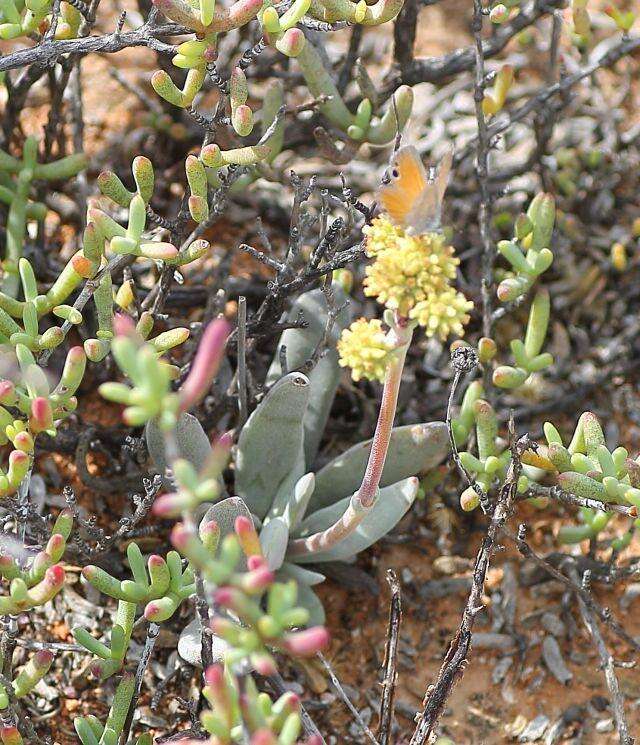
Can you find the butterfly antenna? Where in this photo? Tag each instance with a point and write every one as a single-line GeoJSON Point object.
{"type": "Point", "coordinates": [396, 145]}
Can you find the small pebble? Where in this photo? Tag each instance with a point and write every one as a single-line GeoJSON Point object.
{"type": "Point", "coordinates": [553, 624]}
{"type": "Point", "coordinates": [501, 669]}
{"type": "Point", "coordinates": [535, 729]}
{"type": "Point", "coordinates": [407, 576]}
{"type": "Point", "coordinates": [489, 640]}
{"type": "Point", "coordinates": [604, 725]}
{"type": "Point", "coordinates": [554, 661]}
{"type": "Point", "coordinates": [631, 592]}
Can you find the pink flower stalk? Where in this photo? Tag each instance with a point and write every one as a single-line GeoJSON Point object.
{"type": "Point", "coordinates": [364, 499]}
{"type": "Point", "coordinates": [308, 642]}
{"type": "Point", "coordinates": [205, 364]}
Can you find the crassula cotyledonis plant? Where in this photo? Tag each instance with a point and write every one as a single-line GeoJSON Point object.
{"type": "Point", "coordinates": [232, 570]}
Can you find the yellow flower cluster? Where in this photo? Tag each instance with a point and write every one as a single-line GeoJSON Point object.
{"type": "Point", "coordinates": [364, 348]}
{"type": "Point", "coordinates": [412, 275]}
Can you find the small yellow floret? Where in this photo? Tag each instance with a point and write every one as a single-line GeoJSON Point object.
{"type": "Point", "coordinates": [443, 313]}
{"type": "Point", "coordinates": [364, 348]}
{"type": "Point", "coordinates": [381, 235]}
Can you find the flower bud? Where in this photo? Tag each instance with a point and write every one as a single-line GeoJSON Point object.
{"type": "Point", "coordinates": [499, 14]}
{"type": "Point", "coordinates": [247, 535]}
{"type": "Point", "coordinates": [308, 642]}
{"type": "Point", "coordinates": [469, 500]}
{"type": "Point", "coordinates": [205, 364]}
{"type": "Point", "coordinates": [291, 43]}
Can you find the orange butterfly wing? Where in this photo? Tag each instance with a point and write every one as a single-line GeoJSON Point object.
{"type": "Point", "coordinates": [400, 195]}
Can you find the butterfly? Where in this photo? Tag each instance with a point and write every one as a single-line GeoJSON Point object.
{"type": "Point", "coordinates": [410, 195]}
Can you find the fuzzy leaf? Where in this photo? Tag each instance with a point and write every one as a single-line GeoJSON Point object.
{"type": "Point", "coordinates": [325, 376]}
{"type": "Point", "coordinates": [413, 448]}
{"type": "Point", "coordinates": [274, 537]}
{"type": "Point", "coordinates": [291, 507]}
{"type": "Point", "coordinates": [391, 505]}
{"type": "Point", "coordinates": [225, 513]}
{"type": "Point", "coordinates": [271, 444]}
{"type": "Point", "coordinates": [309, 600]}
{"type": "Point", "coordinates": [190, 644]}
{"type": "Point", "coordinates": [301, 575]}
{"type": "Point", "coordinates": [193, 443]}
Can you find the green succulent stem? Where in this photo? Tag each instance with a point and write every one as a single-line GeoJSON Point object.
{"type": "Point", "coordinates": [320, 82]}
{"type": "Point", "coordinates": [20, 211]}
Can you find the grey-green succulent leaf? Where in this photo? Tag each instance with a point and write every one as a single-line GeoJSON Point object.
{"type": "Point", "coordinates": [309, 600]}
{"type": "Point", "coordinates": [191, 440]}
{"type": "Point", "coordinates": [225, 513]}
{"type": "Point", "coordinates": [271, 444]}
{"type": "Point", "coordinates": [300, 344]}
{"type": "Point", "coordinates": [301, 575]}
{"type": "Point", "coordinates": [292, 504]}
{"type": "Point", "coordinates": [274, 537]}
{"type": "Point", "coordinates": [390, 506]}
{"type": "Point", "coordinates": [413, 448]}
